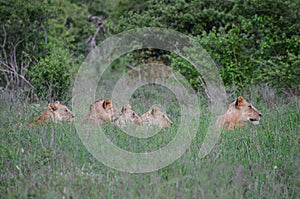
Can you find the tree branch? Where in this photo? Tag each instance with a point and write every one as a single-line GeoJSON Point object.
{"type": "Point", "coordinates": [99, 23]}
{"type": "Point", "coordinates": [138, 69]}
{"type": "Point", "coordinates": [21, 76]}
{"type": "Point", "coordinates": [4, 36]}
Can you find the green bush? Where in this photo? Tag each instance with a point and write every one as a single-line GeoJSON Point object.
{"type": "Point", "coordinates": [38, 40]}
{"type": "Point", "coordinates": [52, 76]}
{"type": "Point", "coordinates": [251, 42]}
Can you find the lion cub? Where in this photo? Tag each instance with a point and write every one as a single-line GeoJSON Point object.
{"type": "Point", "coordinates": [238, 114]}
{"type": "Point", "coordinates": [101, 110]}
{"type": "Point", "coordinates": [155, 117]}
{"type": "Point", "coordinates": [127, 116]}
{"type": "Point", "coordinates": [55, 112]}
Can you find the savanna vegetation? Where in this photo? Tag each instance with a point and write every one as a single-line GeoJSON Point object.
{"type": "Point", "coordinates": [255, 45]}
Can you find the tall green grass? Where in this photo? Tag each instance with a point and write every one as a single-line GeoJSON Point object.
{"type": "Point", "coordinates": [51, 161]}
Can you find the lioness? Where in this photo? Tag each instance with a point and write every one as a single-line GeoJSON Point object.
{"type": "Point", "coordinates": [101, 110]}
{"type": "Point", "coordinates": [155, 117]}
{"type": "Point", "coordinates": [128, 116]}
{"type": "Point", "coordinates": [55, 112]}
{"type": "Point", "coordinates": [238, 114]}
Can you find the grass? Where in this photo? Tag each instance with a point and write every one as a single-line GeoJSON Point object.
{"type": "Point", "coordinates": [51, 161]}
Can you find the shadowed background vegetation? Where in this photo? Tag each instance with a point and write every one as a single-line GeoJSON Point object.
{"type": "Point", "coordinates": [44, 42]}
{"type": "Point", "coordinates": [255, 45]}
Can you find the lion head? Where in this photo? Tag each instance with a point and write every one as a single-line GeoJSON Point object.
{"type": "Point", "coordinates": [55, 112]}
{"type": "Point", "coordinates": [155, 117]}
{"type": "Point", "coordinates": [100, 110]}
{"type": "Point", "coordinates": [239, 113]}
{"type": "Point", "coordinates": [128, 115]}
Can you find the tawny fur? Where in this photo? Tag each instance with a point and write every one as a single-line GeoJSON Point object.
{"type": "Point", "coordinates": [55, 112]}
{"type": "Point", "coordinates": [155, 117]}
{"type": "Point", "coordinates": [238, 114]}
{"type": "Point", "coordinates": [128, 116]}
{"type": "Point", "coordinates": [100, 111]}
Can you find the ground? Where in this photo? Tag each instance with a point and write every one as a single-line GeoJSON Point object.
{"type": "Point", "coordinates": [51, 162]}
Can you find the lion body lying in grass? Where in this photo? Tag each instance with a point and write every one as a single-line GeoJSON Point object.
{"type": "Point", "coordinates": [55, 112]}
{"type": "Point", "coordinates": [238, 114]}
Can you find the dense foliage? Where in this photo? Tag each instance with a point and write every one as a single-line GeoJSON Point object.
{"type": "Point", "coordinates": [40, 41]}
{"type": "Point", "coordinates": [253, 42]}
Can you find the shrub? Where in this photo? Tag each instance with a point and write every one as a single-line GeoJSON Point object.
{"type": "Point", "coordinates": [53, 74]}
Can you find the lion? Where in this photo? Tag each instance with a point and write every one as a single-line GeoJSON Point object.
{"type": "Point", "coordinates": [155, 117]}
{"type": "Point", "coordinates": [101, 110]}
{"type": "Point", "coordinates": [55, 112]}
{"type": "Point", "coordinates": [238, 114]}
{"type": "Point", "coordinates": [128, 116]}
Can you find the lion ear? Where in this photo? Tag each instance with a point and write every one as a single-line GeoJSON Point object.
{"type": "Point", "coordinates": [154, 110]}
{"type": "Point", "coordinates": [239, 101]}
{"type": "Point", "coordinates": [52, 106]}
{"type": "Point", "coordinates": [106, 103]}
{"type": "Point", "coordinates": [123, 109]}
